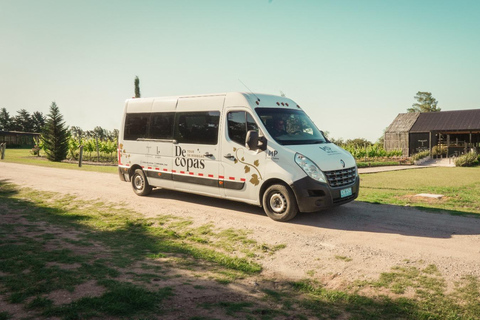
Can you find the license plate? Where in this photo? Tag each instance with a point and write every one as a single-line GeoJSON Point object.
{"type": "Point", "coordinates": [345, 192]}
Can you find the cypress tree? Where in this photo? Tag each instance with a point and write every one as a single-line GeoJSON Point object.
{"type": "Point", "coordinates": [137, 87]}
{"type": "Point", "coordinates": [55, 135]}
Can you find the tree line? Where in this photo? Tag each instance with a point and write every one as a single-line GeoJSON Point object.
{"type": "Point", "coordinates": [22, 121]}
{"type": "Point", "coordinates": [57, 140]}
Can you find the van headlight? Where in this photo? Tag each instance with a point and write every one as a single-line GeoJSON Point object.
{"type": "Point", "coordinates": [310, 168]}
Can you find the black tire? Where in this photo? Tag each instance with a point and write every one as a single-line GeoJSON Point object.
{"type": "Point", "coordinates": [140, 184]}
{"type": "Point", "coordinates": [279, 203]}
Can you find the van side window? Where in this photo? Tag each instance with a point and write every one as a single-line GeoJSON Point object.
{"type": "Point", "coordinates": [197, 127]}
{"type": "Point", "coordinates": [161, 126]}
{"type": "Point", "coordinates": [136, 126]}
{"type": "Point", "coordinates": [239, 122]}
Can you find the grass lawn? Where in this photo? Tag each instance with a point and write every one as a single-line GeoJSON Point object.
{"type": "Point", "coordinates": [459, 186]}
{"type": "Point", "coordinates": [24, 156]}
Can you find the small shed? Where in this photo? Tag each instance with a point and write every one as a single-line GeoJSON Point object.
{"type": "Point", "coordinates": [19, 139]}
{"type": "Point", "coordinates": [442, 133]}
{"type": "Point", "coordinates": [397, 134]}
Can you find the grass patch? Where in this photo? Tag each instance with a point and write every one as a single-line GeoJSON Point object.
{"type": "Point", "coordinates": [343, 258]}
{"type": "Point", "coordinates": [460, 187]}
{"type": "Point", "coordinates": [121, 299]}
{"type": "Point", "coordinates": [23, 156]}
{"type": "Point", "coordinates": [5, 315]}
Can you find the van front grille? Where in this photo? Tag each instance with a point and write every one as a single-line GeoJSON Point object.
{"type": "Point", "coordinates": [340, 178]}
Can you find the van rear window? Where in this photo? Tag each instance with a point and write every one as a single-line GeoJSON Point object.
{"type": "Point", "coordinates": [136, 126]}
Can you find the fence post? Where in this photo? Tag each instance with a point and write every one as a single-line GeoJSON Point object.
{"type": "Point", "coordinates": [2, 150]}
{"type": "Point", "coordinates": [98, 150]}
{"type": "Point", "coordinates": [80, 156]}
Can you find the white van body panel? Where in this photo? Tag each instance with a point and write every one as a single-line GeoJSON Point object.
{"type": "Point", "coordinates": [225, 167]}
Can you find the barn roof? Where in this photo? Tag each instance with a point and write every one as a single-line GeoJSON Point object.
{"type": "Point", "coordinates": [447, 120]}
{"type": "Point", "coordinates": [403, 122]}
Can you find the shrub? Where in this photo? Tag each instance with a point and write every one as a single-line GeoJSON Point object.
{"type": "Point", "coordinates": [420, 155]}
{"type": "Point", "coordinates": [467, 160]}
{"type": "Point", "coordinates": [35, 151]}
{"type": "Point", "coordinates": [439, 150]}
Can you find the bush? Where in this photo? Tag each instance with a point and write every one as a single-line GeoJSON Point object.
{"type": "Point", "coordinates": [439, 150]}
{"type": "Point", "coordinates": [35, 151]}
{"type": "Point", "coordinates": [467, 160]}
{"type": "Point", "coordinates": [420, 155]}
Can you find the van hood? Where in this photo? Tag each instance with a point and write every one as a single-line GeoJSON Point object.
{"type": "Point", "coordinates": [327, 156]}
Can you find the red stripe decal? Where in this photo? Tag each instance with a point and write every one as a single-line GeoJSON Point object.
{"type": "Point", "coordinates": [231, 178]}
{"type": "Point", "coordinates": [210, 175]}
{"type": "Point", "coordinates": [174, 171]}
{"type": "Point", "coordinates": [242, 179]}
{"type": "Point", "coordinates": [182, 172]}
{"type": "Point", "coordinates": [165, 169]}
{"type": "Point", "coordinates": [200, 174]}
{"type": "Point", "coordinates": [221, 177]}
{"type": "Point", "coordinates": [157, 168]}
{"type": "Point", "coordinates": [191, 173]}
{"type": "Point", "coordinates": [149, 167]}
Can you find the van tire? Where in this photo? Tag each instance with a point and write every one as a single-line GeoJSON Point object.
{"type": "Point", "coordinates": [140, 184]}
{"type": "Point", "coordinates": [279, 203]}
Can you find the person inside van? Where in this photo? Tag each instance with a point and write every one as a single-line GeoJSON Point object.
{"type": "Point", "coordinates": [278, 127]}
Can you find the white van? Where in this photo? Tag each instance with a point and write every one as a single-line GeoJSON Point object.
{"type": "Point", "coordinates": [255, 148]}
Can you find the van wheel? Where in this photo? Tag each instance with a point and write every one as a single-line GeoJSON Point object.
{"type": "Point", "coordinates": [279, 203]}
{"type": "Point", "coordinates": [140, 184]}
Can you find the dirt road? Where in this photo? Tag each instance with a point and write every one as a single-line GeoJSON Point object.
{"type": "Point", "coordinates": [355, 241]}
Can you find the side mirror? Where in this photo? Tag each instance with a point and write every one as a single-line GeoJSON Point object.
{"type": "Point", "coordinates": [254, 142]}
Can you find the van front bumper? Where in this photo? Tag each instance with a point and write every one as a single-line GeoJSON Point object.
{"type": "Point", "coordinates": [314, 196]}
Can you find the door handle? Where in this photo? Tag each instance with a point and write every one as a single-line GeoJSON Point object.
{"type": "Point", "coordinates": [229, 156]}
{"type": "Point", "coordinates": [208, 155]}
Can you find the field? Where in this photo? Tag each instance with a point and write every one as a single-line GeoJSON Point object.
{"type": "Point", "coordinates": [459, 186]}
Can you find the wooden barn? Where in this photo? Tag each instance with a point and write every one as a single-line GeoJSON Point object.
{"type": "Point", "coordinates": [444, 133]}
{"type": "Point", "coordinates": [18, 139]}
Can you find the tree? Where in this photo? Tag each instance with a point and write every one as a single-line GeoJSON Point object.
{"type": "Point", "coordinates": [5, 120]}
{"type": "Point", "coordinates": [23, 121]}
{"type": "Point", "coordinates": [358, 142]}
{"type": "Point", "coordinates": [38, 121]}
{"type": "Point", "coordinates": [55, 135]}
{"type": "Point", "coordinates": [137, 87]}
{"type": "Point", "coordinates": [100, 133]}
{"type": "Point", "coordinates": [426, 103]}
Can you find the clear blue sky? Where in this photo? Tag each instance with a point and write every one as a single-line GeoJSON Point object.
{"type": "Point", "coordinates": [352, 65]}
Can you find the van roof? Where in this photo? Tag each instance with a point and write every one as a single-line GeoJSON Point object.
{"type": "Point", "coordinates": [212, 101]}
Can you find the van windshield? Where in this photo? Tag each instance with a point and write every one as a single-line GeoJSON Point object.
{"type": "Point", "coordinates": [290, 126]}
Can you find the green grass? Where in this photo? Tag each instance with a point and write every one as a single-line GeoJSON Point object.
{"type": "Point", "coordinates": [361, 164]}
{"type": "Point", "coordinates": [460, 187]}
{"type": "Point", "coordinates": [23, 156]}
{"type": "Point", "coordinates": [38, 256]}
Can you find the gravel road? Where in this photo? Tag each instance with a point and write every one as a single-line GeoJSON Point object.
{"type": "Point", "coordinates": [355, 241]}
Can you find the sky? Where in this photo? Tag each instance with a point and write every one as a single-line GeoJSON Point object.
{"type": "Point", "coordinates": [351, 65]}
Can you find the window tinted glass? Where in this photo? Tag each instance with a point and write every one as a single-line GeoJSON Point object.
{"type": "Point", "coordinates": [251, 124]}
{"type": "Point", "coordinates": [236, 126]}
{"type": "Point", "coordinates": [239, 122]}
{"type": "Point", "coordinates": [161, 126]}
{"type": "Point", "coordinates": [290, 126]}
{"type": "Point", "coordinates": [136, 125]}
{"type": "Point", "coordinates": [197, 127]}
